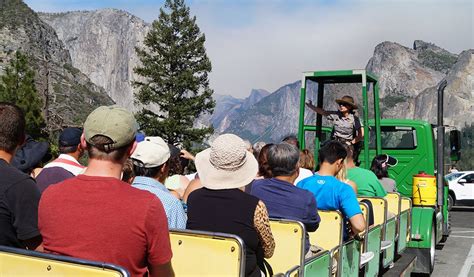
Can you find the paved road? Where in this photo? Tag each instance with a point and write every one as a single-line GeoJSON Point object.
{"type": "Point", "coordinates": [456, 258]}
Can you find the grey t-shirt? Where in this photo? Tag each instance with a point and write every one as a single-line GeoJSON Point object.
{"type": "Point", "coordinates": [344, 127]}
{"type": "Point", "coordinates": [388, 184]}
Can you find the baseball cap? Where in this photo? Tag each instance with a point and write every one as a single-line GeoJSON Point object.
{"type": "Point", "coordinates": [113, 122]}
{"type": "Point", "coordinates": [151, 152]}
{"type": "Point", "coordinates": [70, 136]}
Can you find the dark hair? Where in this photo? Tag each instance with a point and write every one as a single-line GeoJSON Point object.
{"type": "Point", "coordinates": [140, 170]}
{"type": "Point", "coordinates": [291, 139]}
{"type": "Point", "coordinates": [377, 166]}
{"type": "Point", "coordinates": [96, 152]}
{"type": "Point", "coordinates": [350, 151]}
{"type": "Point", "coordinates": [12, 128]}
{"type": "Point", "coordinates": [67, 149]}
{"type": "Point", "coordinates": [283, 159]}
{"type": "Point", "coordinates": [127, 170]}
{"type": "Point", "coordinates": [332, 151]}
{"type": "Point", "coordinates": [263, 167]}
{"type": "Point", "coordinates": [177, 164]}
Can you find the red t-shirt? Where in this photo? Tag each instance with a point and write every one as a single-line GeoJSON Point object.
{"type": "Point", "coordinates": [104, 219]}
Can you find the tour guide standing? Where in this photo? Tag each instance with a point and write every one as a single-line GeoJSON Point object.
{"type": "Point", "coordinates": [347, 127]}
{"type": "Point", "coordinates": [98, 217]}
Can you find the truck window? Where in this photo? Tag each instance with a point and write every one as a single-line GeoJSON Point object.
{"type": "Point", "coordinates": [395, 137]}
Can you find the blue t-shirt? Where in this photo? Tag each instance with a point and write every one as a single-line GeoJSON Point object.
{"type": "Point", "coordinates": [332, 194]}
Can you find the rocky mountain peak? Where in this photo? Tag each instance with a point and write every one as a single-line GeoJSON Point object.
{"type": "Point", "coordinates": [68, 95]}
{"type": "Point", "coordinates": [102, 45]}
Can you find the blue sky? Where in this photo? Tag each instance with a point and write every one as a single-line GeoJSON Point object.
{"type": "Point", "coordinates": [268, 43]}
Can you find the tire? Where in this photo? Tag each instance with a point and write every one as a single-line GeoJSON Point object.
{"type": "Point", "coordinates": [450, 201]}
{"type": "Point", "coordinates": [432, 249]}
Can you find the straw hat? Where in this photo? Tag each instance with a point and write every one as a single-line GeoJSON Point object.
{"type": "Point", "coordinates": [347, 100]}
{"type": "Point", "coordinates": [226, 164]}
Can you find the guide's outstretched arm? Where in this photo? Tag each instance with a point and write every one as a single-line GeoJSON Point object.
{"type": "Point", "coordinates": [319, 110]}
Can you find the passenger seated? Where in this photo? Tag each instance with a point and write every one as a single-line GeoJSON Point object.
{"type": "Point", "coordinates": [380, 166]}
{"type": "Point", "coordinates": [306, 165]}
{"type": "Point", "coordinates": [332, 194]}
{"type": "Point", "coordinates": [282, 198]}
{"type": "Point", "coordinates": [366, 181]}
{"type": "Point", "coordinates": [96, 216]}
{"type": "Point", "coordinates": [222, 206]}
{"type": "Point", "coordinates": [151, 165]}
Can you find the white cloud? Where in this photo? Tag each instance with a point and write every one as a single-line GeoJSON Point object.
{"type": "Point", "coordinates": [276, 47]}
{"type": "Point", "coordinates": [266, 44]}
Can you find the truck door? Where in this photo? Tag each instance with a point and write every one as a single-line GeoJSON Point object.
{"type": "Point", "coordinates": [466, 188]}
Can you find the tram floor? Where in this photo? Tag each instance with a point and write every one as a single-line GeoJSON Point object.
{"type": "Point", "coordinates": [456, 257]}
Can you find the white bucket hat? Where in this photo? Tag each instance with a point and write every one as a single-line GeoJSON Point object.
{"type": "Point", "coordinates": [227, 164]}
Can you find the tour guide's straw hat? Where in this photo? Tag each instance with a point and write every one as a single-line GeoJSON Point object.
{"type": "Point", "coordinates": [226, 164]}
{"type": "Point", "coordinates": [347, 100]}
{"type": "Point", "coordinates": [113, 122]}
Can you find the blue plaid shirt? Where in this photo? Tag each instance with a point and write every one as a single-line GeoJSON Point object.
{"type": "Point", "coordinates": [174, 209]}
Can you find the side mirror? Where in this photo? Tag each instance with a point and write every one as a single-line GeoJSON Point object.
{"type": "Point", "coordinates": [455, 144]}
{"type": "Point", "coordinates": [462, 181]}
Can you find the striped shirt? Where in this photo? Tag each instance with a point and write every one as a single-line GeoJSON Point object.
{"type": "Point", "coordinates": [174, 209]}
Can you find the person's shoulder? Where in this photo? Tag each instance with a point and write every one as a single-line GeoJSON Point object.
{"type": "Point", "coordinates": [259, 182]}
{"type": "Point", "coordinates": [11, 174]}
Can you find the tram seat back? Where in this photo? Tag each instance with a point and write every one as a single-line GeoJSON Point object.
{"type": "Point", "coordinates": [405, 204]}
{"type": "Point", "coordinates": [394, 202]}
{"type": "Point", "coordinates": [330, 230]}
{"type": "Point", "coordinates": [289, 238]}
{"type": "Point", "coordinates": [198, 253]}
{"type": "Point", "coordinates": [20, 262]}
{"type": "Point", "coordinates": [379, 207]}
{"type": "Point", "coordinates": [365, 212]}
{"type": "Point", "coordinates": [405, 223]}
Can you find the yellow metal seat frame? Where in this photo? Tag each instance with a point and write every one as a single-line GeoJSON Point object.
{"type": "Point", "coordinates": [289, 238]}
{"type": "Point", "coordinates": [198, 253]}
{"type": "Point", "coordinates": [20, 262]}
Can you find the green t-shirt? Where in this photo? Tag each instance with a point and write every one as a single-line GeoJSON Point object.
{"type": "Point", "coordinates": [366, 181]}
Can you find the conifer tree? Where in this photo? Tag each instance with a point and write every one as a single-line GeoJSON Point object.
{"type": "Point", "coordinates": [175, 68]}
{"type": "Point", "coordinates": [17, 86]}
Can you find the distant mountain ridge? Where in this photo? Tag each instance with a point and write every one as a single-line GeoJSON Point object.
{"type": "Point", "coordinates": [408, 78]}
{"type": "Point", "coordinates": [68, 95]}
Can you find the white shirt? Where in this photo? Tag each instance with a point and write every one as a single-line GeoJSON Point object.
{"type": "Point", "coordinates": [70, 164]}
{"type": "Point", "coordinates": [304, 173]}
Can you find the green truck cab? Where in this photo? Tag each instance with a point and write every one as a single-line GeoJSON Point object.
{"type": "Point", "coordinates": [412, 142]}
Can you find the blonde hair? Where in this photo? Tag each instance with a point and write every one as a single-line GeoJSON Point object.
{"type": "Point", "coordinates": [306, 160]}
{"type": "Point", "coordinates": [342, 174]}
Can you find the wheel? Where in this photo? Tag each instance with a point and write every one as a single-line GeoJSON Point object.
{"type": "Point", "coordinates": [450, 202]}
{"type": "Point", "coordinates": [432, 249]}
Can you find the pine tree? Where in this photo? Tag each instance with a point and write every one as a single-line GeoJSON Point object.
{"type": "Point", "coordinates": [17, 86]}
{"type": "Point", "coordinates": [175, 68]}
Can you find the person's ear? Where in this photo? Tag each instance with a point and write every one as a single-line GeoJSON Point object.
{"type": "Point", "coordinates": [83, 143]}
{"type": "Point", "coordinates": [164, 168]}
{"type": "Point", "coordinates": [132, 148]}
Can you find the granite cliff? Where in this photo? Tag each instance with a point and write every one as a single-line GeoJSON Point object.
{"type": "Point", "coordinates": [102, 45]}
{"type": "Point", "coordinates": [408, 80]}
{"type": "Point", "coordinates": [68, 95]}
